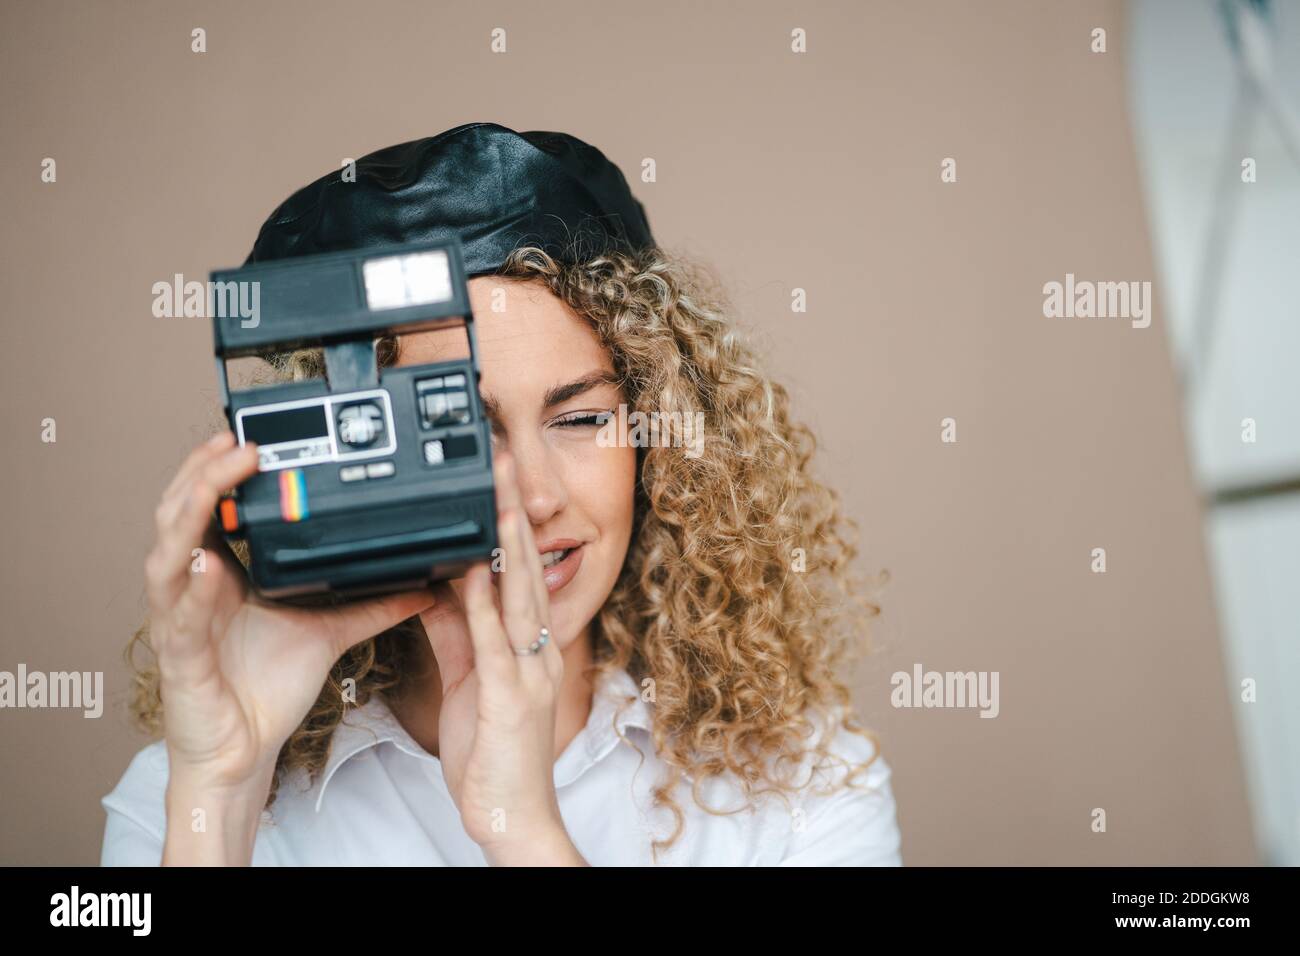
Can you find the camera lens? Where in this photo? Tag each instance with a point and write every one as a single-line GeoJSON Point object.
{"type": "Point", "coordinates": [360, 425]}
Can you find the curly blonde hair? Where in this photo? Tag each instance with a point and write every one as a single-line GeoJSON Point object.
{"type": "Point", "coordinates": [737, 597]}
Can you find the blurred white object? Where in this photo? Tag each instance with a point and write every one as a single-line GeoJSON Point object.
{"type": "Point", "coordinates": [1211, 85]}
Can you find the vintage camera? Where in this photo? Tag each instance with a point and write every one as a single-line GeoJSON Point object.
{"type": "Point", "coordinates": [369, 480]}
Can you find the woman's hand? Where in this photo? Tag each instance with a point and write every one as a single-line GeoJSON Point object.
{"type": "Point", "coordinates": [496, 726]}
{"type": "Point", "coordinates": [237, 675]}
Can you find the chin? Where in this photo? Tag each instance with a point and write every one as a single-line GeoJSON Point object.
{"type": "Point", "coordinates": [575, 606]}
{"type": "Point", "coordinates": [570, 617]}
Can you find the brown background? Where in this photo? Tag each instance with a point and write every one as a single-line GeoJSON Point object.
{"type": "Point", "coordinates": [819, 171]}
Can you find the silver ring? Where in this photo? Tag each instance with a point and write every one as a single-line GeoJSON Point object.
{"type": "Point", "coordinates": [536, 646]}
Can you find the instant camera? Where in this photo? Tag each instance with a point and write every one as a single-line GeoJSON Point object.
{"type": "Point", "coordinates": [369, 480]}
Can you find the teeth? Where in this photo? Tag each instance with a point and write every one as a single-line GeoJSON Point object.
{"type": "Point", "coordinates": [553, 557]}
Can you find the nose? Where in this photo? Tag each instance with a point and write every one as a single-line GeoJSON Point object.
{"type": "Point", "coordinates": [541, 485]}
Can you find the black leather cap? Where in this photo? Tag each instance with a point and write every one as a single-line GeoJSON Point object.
{"type": "Point", "coordinates": [493, 188]}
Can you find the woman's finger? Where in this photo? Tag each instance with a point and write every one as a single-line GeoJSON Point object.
{"type": "Point", "coordinates": [519, 609]}
{"type": "Point", "coordinates": [493, 658]}
{"type": "Point", "coordinates": [550, 652]}
{"type": "Point", "coordinates": [228, 575]}
{"type": "Point", "coordinates": [169, 564]}
{"type": "Point", "coordinates": [536, 576]}
{"type": "Point", "coordinates": [169, 502]}
{"type": "Point", "coordinates": [218, 444]}
{"type": "Point", "coordinates": [525, 586]}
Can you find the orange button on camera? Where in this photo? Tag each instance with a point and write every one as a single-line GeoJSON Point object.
{"type": "Point", "coordinates": [229, 510]}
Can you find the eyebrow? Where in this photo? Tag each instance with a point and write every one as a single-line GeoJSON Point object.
{"type": "Point", "coordinates": [558, 394]}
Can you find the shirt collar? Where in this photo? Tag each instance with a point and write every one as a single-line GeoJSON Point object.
{"type": "Point", "coordinates": [373, 724]}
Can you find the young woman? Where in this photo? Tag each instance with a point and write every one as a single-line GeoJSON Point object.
{"type": "Point", "coordinates": [649, 678]}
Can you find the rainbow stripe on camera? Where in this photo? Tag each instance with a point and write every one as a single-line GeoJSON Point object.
{"type": "Point", "coordinates": [293, 495]}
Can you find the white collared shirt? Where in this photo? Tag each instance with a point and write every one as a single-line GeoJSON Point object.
{"type": "Point", "coordinates": [382, 800]}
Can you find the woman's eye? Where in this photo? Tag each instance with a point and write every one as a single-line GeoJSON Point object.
{"type": "Point", "coordinates": [585, 420]}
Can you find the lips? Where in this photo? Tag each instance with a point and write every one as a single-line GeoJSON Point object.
{"type": "Point", "coordinates": [560, 562]}
{"type": "Point", "coordinates": [554, 557]}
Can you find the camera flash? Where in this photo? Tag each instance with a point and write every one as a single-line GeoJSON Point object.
{"type": "Point", "coordinates": [395, 282]}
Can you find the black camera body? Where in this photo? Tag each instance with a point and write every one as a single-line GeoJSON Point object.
{"type": "Point", "coordinates": [370, 480]}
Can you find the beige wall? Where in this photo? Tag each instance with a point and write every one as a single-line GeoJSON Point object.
{"type": "Point", "coordinates": [818, 171]}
